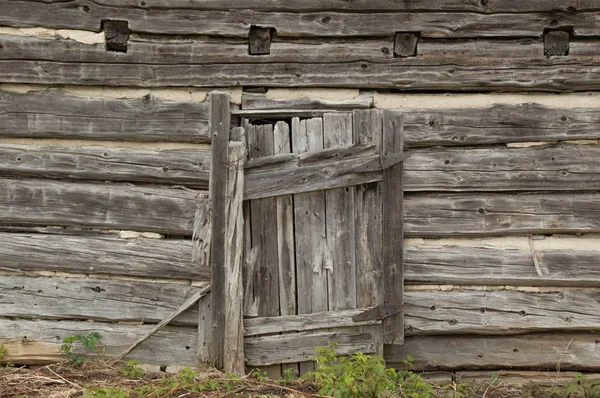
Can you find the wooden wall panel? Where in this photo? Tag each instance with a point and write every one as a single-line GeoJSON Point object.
{"type": "Point", "coordinates": [38, 342]}
{"type": "Point", "coordinates": [107, 206]}
{"type": "Point", "coordinates": [140, 257]}
{"type": "Point", "coordinates": [572, 351]}
{"type": "Point", "coordinates": [55, 114]}
{"type": "Point", "coordinates": [87, 15]}
{"type": "Point", "coordinates": [500, 214]}
{"type": "Point", "coordinates": [94, 299]}
{"type": "Point", "coordinates": [189, 167]}
{"type": "Point", "coordinates": [485, 265]}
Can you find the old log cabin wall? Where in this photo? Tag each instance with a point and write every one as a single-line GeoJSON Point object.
{"type": "Point", "coordinates": [105, 158]}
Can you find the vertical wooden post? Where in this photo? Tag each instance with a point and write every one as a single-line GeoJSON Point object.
{"type": "Point", "coordinates": [220, 133]}
{"type": "Point", "coordinates": [234, 292]}
{"type": "Point", "coordinates": [393, 234]}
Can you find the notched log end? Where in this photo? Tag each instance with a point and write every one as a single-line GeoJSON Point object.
{"type": "Point", "coordinates": [259, 40]}
{"type": "Point", "coordinates": [405, 44]}
{"type": "Point", "coordinates": [116, 34]}
{"type": "Point", "coordinates": [556, 42]}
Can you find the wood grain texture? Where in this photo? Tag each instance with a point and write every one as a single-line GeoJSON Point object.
{"type": "Point", "coordinates": [485, 265]}
{"type": "Point", "coordinates": [251, 101]}
{"type": "Point", "coordinates": [339, 222]}
{"type": "Point", "coordinates": [183, 167]}
{"type": "Point", "coordinates": [500, 214]}
{"type": "Point", "coordinates": [565, 168]}
{"type": "Point", "coordinates": [542, 351]}
{"type": "Point", "coordinates": [159, 258]}
{"type": "Point", "coordinates": [93, 299]}
{"type": "Point", "coordinates": [55, 114]}
{"type": "Point", "coordinates": [500, 312]}
{"type": "Point", "coordinates": [305, 322]}
{"type": "Point", "coordinates": [234, 291]}
{"type": "Point", "coordinates": [219, 124]}
{"type": "Point", "coordinates": [295, 347]}
{"type": "Point", "coordinates": [106, 206]}
{"type": "Point", "coordinates": [499, 124]}
{"type": "Point", "coordinates": [392, 197]}
{"type": "Point", "coordinates": [38, 342]}
{"type": "Point", "coordinates": [86, 15]}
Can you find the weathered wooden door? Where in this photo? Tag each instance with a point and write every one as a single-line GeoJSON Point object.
{"type": "Point", "coordinates": [323, 236]}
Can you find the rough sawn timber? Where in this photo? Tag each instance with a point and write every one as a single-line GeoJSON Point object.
{"type": "Point", "coordinates": [550, 168]}
{"type": "Point", "coordinates": [94, 299]}
{"type": "Point", "coordinates": [544, 351]}
{"type": "Point", "coordinates": [500, 214]}
{"type": "Point", "coordinates": [500, 266]}
{"type": "Point", "coordinates": [501, 312]}
{"type": "Point", "coordinates": [86, 15]}
{"type": "Point", "coordinates": [105, 206]}
{"type": "Point", "coordinates": [141, 257]}
{"type": "Point", "coordinates": [55, 114]}
{"type": "Point", "coordinates": [38, 342]}
{"type": "Point", "coordinates": [187, 167]}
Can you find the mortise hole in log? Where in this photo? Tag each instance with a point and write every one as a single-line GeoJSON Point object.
{"type": "Point", "coordinates": [116, 34]}
{"type": "Point", "coordinates": [259, 40]}
{"type": "Point", "coordinates": [405, 44]}
{"type": "Point", "coordinates": [556, 42]}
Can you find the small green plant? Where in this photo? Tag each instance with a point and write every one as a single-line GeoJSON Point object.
{"type": "Point", "coordinates": [260, 375]}
{"type": "Point", "coordinates": [132, 370]}
{"type": "Point", "coordinates": [90, 343]}
{"type": "Point", "coordinates": [581, 386]}
{"type": "Point", "coordinates": [364, 375]}
{"type": "Point", "coordinates": [105, 392]}
{"type": "Point", "coordinates": [288, 375]}
{"type": "Point", "coordinates": [2, 351]}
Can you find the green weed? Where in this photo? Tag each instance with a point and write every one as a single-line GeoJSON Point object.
{"type": "Point", "coordinates": [132, 370]}
{"type": "Point", "coordinates": [105, 392]}
{"type": "Point", "coordinates": [90, 343]}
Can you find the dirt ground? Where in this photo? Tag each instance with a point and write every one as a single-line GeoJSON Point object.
{"type": "Point", "coordinates": [63, 381]}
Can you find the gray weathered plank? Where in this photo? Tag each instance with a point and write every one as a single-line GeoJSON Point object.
{"type": "Point", "coordinates": [159, 258]}
{"type": "Point", "coordinates": [543, 351]}
{"type": "Point", "coordinates": [339, 218]}
{"type": "Point", "coordinates": [312, 171]}
{"type": "Point", "coordinates": [295, 347]}
{"type": "Point", "coordinates": [392, 224]}
{"type": "Point", "coordinates": [501, 312]}
{"type": "Point", "coordinates": [108, 206]}
{"type": "Point", "coordinates": [500, 214]}
{"type": "Point", "coordinates": [234, 291]}
{"type": "Point", "coordinates": [300, 323]}
{"type": "Point", "coordinates": [93, 299]}
{"type": "Point", "coordinates": [55, 114]}
{"type": "Point", "coordinates": [520, 378]}
{"type": "Point", "coordinates": [498, 124]}
{"type": "Point", "coordinates": [187, 20]}
{"type": "Point", "coordinates": [38, 342]}
{"type": "Point", "coordinates": [359, 5]}
{"type": "Point", "coordinates": [184, 166]}
{"type": "Point", "coordinates": [485, 265]}
{"type": "Point", "coordinates": [219, 126]}
{"type": "Point", "coordinates": [251, 101]}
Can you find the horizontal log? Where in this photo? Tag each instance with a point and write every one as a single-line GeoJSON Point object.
{"type": "Point", "coordinates": [86, 15]}
{"type": "Point", "coordinates": [140, 257]}
{"type": "Point", "coordinates": [108, 206]}
{"type": "Point", "coordinates": [300, 347]}
{"type": "Point", "coordinates": [305, 322]}
{"type": "Point", "coordinates": [38, 342]}
{"type": "Point", "coordinates": [485, 265]}
{"type": "Point", "coordinates": [499, 124]}
{"type": "Point", "coordinates": [55, 114]}
{"type": "Point", "coordinates": [94, 299]}
{"type": "Point", "coordinates": [253, 101]}
{"type": "Point", "coordinates": [187, 167]}
{"type": "Point", "coordinates": [500, 312]}
{"type": "Point", "coordinates": [366, 63]}
{"type": "Point", "coordinates": [360, 5]}
{"type": "Point", "coordinates": [500, 214]}
{"type": "Point", "coordinates": [541, 351]}
{"type": "Point", "coordinates": [566, 168]}
{"type": "Point", "coordinates": [519, 378]}
{"type": "Point", "coordinates": [311, 171]}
